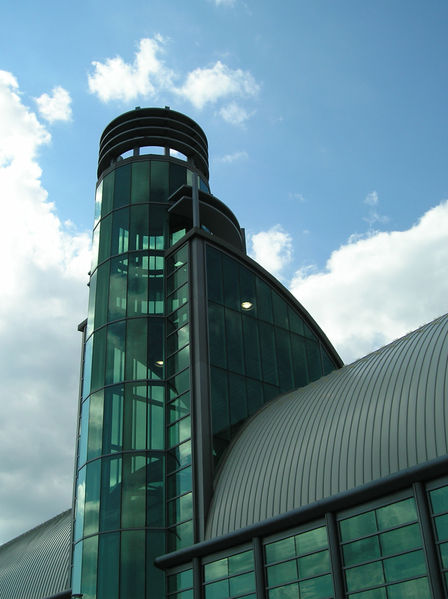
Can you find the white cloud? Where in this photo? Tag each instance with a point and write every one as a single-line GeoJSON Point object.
{"type": "Point", "coordinates": [43, 299]}
{"type": "Point", "coordinates": [272, 249]}
{"type": "Point", "coordinates": [219, 81]}
{"type": "Point", "coordinates": [55, 107]}
{"type": "Point", "coordinates": [235, 157]}
{"type": "Point", "coordinates": [148, 76]}
{"type": "Point", "coordinates": [235, 114]}
{"type": "Point", "coordinates": [117, 80]}
{"type": "Point", "coordinates": [378, 288]}
{"type": "Point", "coordinates": [374, 217]}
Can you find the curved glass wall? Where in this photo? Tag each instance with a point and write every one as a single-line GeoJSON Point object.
{"type": "Point", "coordinates": [134, 449]}
{"type": "Point", "coordinates": [260, 346]}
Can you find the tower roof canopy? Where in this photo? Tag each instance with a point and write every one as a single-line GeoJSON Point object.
{"type": "Point", "coordinates": [375, 417]}
{"type": "Point", "coordinates": [154, 127]}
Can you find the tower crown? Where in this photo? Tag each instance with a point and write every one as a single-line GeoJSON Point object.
{"type": "Point", "coordinates": [154, 127]}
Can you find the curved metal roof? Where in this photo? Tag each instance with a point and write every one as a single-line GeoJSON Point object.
{"type": "Point", "coordinates": [377, 416]}
{"type": "Point", "coordinates": [37, 564]}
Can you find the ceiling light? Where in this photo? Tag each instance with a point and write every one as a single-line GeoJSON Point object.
{"type": "Point", "coordinates": [159, 363]}
{"type": "Point", "coordinates": [246, 305]}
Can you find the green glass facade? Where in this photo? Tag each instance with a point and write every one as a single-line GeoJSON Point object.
{"type": "Point", "coordinates": [185, 339]}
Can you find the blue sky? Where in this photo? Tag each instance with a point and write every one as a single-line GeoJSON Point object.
{"type": "Point", "coordinates": [327, 128]}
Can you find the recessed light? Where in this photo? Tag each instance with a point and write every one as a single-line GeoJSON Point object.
{"type": "Point", "coordinates": [159, 363]}
{"type": "Point", "coordinates": [246, 305]}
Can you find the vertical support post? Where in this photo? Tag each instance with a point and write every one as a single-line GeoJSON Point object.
{"type": "Point", "coordinates": [432, 561]}
{"type": "Point", "coordinates": [195, 201]}
{"type": "Point", "coordinates": [197, 578]}
{"type": "Point", "coordinates": [260, 585]}
{"type": "Point", "coordinates": [335, 557]}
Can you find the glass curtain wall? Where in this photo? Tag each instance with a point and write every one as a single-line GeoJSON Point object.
{"type": "Point", "coordinates": [259, 345]}
{"type": "Point", "coordinates": [125, 476]}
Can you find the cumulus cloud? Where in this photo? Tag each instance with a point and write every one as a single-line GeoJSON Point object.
{"type": "Point", "coordinates": [235, 157]}
{"type": "Point", "coordinates": [55, 107]}
{"type": "Point", "coordinates": [204, 85]}
{"type": "Point", "coordinates": [376, 289]}
{"type": "Point", "coordinates": [116, 79]}
{"type": "Point", "coordinates": [272, 249]}
{"type": "Point", "coordinates": [148, 76]}
{"type": "Point", "coordinates": [43, 299]}
{"type": "Point", "coordinates": [235, 114]}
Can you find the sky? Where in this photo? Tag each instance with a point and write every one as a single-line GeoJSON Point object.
{"type": "Point", "coordinates": [327, 128]}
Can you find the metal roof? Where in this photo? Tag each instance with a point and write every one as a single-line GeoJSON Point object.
{"type": "Point", "coordinates": [37, 564]}
{"type": "Point", "coordinates": [381, 414]}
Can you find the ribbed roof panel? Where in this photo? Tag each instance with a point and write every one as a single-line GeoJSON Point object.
{"type": "Point", "coordinates": [37, 564]}
{"type": "Point", "coordinates": [379, 415]}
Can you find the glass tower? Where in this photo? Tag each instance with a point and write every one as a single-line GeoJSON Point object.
{"type": "Point", "coordinates": [186, 337]}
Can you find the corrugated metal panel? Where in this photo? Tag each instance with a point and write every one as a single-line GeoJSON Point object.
{"type": "Point", "coordinates": [380, 415]}
{"type": "Point", "coordinates": [37, 564]}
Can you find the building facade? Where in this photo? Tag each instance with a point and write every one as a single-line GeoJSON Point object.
{"type": "Point", "coordinates": [186, 337]}
{"type": "Point", "coordinates": [223, 450]}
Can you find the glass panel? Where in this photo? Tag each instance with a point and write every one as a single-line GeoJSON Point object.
{"type": "Point", "coordinates": [217, 569]}
{"type": "Point", "coordinates": [110, 494]}
{"type": "Point", "coordinates": [120, 231]}
{"type": "Point", "coordinates": [362, 551]}
{"type": "Point", "coordinates": [299, 361]}
{"type": "Point", "coordinates": [396, 514]}
{"type": "Point", "coordinates": [91, 308]}
{"type": "Point", "coordinates": [287, 592]}
{"type": "Point", "coordinates": [179, 456]}
{"type": "Point", "coordinates": [179, 384]}
{"type": "Point", "coordinates": [156, 417]}
{"type": "Point", "coordinates": [122, 186]}
{"type": "Point", "coordinates": [311, 540]}
{"type": "Point", "coordinates": [177, 259]}
{"type": "Point", "coordinates": [402, 539]}
{"type": "Point", "coordinates": [134, 418]}
{"type": "Point", "coordinates": [178, 361]}
{"type": "Point", "coordinates": [404, 566]}
{"type": "Point", "coordinates": [439, 500]}
{"type": "Point", "coordinates": [108, 566]}
{"type": "Point", "coordinates": [214, 276]}
{"type": "Point", "coordinates": [139, 228]}
{"type": "Point", "coordinates": [99, 359]}
{"type": "Point", "coordinates": [177, 279]}
{"type": "Point", "coordinates": [234, 341]}
{"type": "Point", "coordinates": [180, 431]}
{"type": "Point", "coordinates": [157, 226]}
{"type": "Point", "coordinates": [373, 594]}
{"type": "Point", "coordinates": [80, 500]}
{"type": "Point", "coordinates": [138, 284]}
{"type": "Point", "coordinates": [159, 181]}
{"type": "Point", "coordinates": [134, 491]}
{"type": "Point", "coordinates": [115, 353]}
{"type": "Point", "coordinates": [217, 590]}
{"type": "Point", "coordinates": [105, 238]}
{"type": "Point", "coordinates": [92, 493]}
{"type": "Point", "coordinates": [102, 295]}
{"type": "Point", "coordinates": [178, 318]}
{"type": "Point", "coordinates": [413, 589]}
{"type": "Point", "coordinates": [444, 554]}
{"type": "Point", "coordinates": [285, 370]}
{"type": "Point", "coordinates": [362, 576]}
{"type": "Point", "coordinates": [264, 300]}
{"type": "Point", "coordinates": [254, 395]}
{"type": "Point", "coordinates": [179, 483]}
{"type": "Point", "coordinates": [219, 401]}
{"type": "Point", "coordinates": [245, 583]}
{"type": "Point", "coordinates": [241, 562]}
{"type": "Point", "coordinates": [155, 492]}
{"type": "Point", "coordinates": [178, 298]}
{"type": "Point", "coordinates": [136, 349]}
{"type": "Point", "coordinates": [268, 353]}
{"type": "Point", "coordinates": [182, 580]}
{"type": "Point", "coordinates": [442, 527]}
{"type": "Point", "coordinates": [358, 526]}
{"type": "Point", "coordinates": [179, 407]}
{"type": "Point", "coordinates": [178, 176]}
{"type": "Point", "coordinates": [280, 310]}
{"type": "Point", "coordinates": [132, 571]}
{"type": "Point", "coordinates": [180, 536]}
{"type": "Point", "coordinates": [314, 360]}
{"type": "Point", "coordinates": [216, 332]}
{"type": "Point", "coordinates": [316, 587]}
{"type": "Point", "coordinates": [89, 568]}
{"type": "Point", "coordinates": [251, 347]}
{"type": "Point", "coordinates": [76, 568]}
{"type": "Point", "coordinates": [140, 182]}
{"type": "Point", "coordinates": [83, 433]}
{"type": "Point", "coordinates": [280, 550]}
{"type": "Point", "coordinates": [238, 403]}
{"type": "Point", "coordinates": [118, 288]}
{"type": "Point", "coordinates": [317, 563]}
{"type": "Point", "coordinates": [178, 339]}
{"type": "Point", "coordinates": [98, 199]}
{"type": "Point", "coordinates": [108, 193]}
{"type": "Point", "coordinates": [282, 573]}
{"type": "Point", "coordinates": [180, 509]}
{"type": "Point", "coordinates": [113, 420]}
{"type": "Point", "coordinates": [155, 348]}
